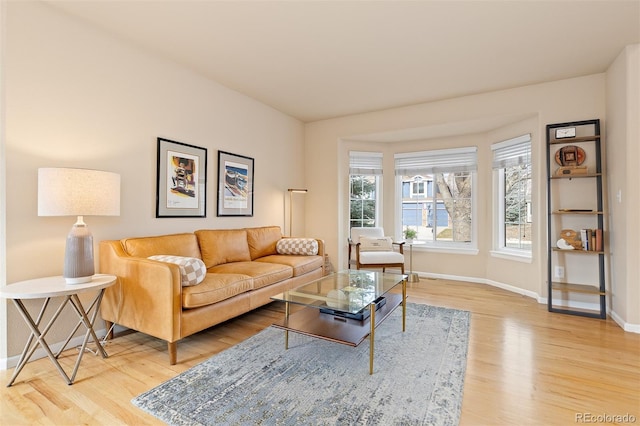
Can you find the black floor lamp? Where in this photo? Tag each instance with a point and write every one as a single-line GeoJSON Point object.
{"type": "Point", "coordinates": [291, 191]}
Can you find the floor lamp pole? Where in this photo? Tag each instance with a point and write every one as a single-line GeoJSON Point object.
{"type": "Point", "coordinates": [291, 191]}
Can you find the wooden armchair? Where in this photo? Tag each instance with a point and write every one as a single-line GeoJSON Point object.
{"type": "Point", "coordinates": [369, 248]}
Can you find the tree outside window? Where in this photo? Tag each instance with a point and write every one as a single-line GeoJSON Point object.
{"type": "Point", "coordinates": [517, 204]}
{"type": "Point", "coordinates": [362, 201]}
{"type": "Point", "coordinates": [365, 170]}
{"type": "Point", "coordinates": [437, 194]}
{"type": "Point", "coordinates": [441, 215]}
{"type": "Point", "coordinates": [512, 163]}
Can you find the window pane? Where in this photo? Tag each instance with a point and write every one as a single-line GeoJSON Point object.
{"type": "Point", "coordinates": [454, 194]}
{"type": "Point", "coordinates": [363, 200]}
{"type": "Point", "coordinates": [443, 217]}
{"type": "Point", "coordinates": [517, 205]}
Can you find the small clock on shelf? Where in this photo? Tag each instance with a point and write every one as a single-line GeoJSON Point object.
{"type": "Point", "coordinates": [566, 132]}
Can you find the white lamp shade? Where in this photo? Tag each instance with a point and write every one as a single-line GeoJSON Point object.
{"type": "Point", "coordinates": [78, 192]}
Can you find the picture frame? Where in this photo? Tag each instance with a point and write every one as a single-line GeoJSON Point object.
{"type": "Point", "coordinates": [181, 189]}
{"type": "Point", "coordinates": [567, 132]}
{"type": "Point", "coordinates": [235, 184]}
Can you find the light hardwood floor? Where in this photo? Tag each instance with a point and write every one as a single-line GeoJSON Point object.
{"type": "Point", "coordinates": [525, 366]}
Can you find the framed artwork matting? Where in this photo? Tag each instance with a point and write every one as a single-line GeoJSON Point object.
{"type": "Point", "coordinates": [181, 189]}
{"type": "Point", "coordinates": [235, 184]}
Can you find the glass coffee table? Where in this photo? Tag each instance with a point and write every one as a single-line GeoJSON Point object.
{"type": "Point", "coordinates": [344, 307]}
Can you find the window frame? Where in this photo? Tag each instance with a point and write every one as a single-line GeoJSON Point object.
{"type": "Point", "coordinates": [366, 164]}
{"type": "Point", "coordinates": [427, 174]}
{"type": "Point", "coordinates": [506, 159]}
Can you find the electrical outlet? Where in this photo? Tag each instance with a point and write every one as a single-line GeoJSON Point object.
{"type": "Point", "coordinates": [558, 271]}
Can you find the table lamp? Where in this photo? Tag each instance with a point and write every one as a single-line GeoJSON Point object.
{"type": "Point", "coordinates": [78, 192]}
{"type": "Point", "coordinates": [291, 192]}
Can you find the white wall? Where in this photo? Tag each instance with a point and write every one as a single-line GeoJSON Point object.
{"type": "Point", "coordinates": [623, 156]}
{"type": "Point", "coordinates": [532, 108]}
{"type": "Point", "coordinates": [77, 97]}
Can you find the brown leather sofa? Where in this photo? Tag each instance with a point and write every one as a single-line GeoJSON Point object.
{"type": "Point", "coordinates": [244, 269]}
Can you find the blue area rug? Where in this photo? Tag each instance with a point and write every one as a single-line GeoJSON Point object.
{"type": "Point", "coordinates": [418, 378]}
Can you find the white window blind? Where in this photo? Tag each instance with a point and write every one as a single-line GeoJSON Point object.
{"type": "Point", "coordinates": [438, 161]}
{"type": "Point", "coordinates": [365, 163]}
{"type": "Point", "coordinates": [512, 152]}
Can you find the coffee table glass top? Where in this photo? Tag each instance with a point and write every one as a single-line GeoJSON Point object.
{"type": "Point", "coordinates": [346, 291]}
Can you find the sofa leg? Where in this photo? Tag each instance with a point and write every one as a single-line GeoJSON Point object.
{"type": "Point", "coordinates": [173, 352]}
{"type": "Point", "coordinates": [109, 327]}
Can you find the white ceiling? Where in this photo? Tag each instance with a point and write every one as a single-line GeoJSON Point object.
{"type": "Point", "coordinates": [322, 59]}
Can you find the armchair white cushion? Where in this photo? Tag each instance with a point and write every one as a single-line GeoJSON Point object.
{"type": "Point", "coordinates": [373, 249]}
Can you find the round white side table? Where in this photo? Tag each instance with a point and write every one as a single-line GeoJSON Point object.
{"type": "Point", "coordinates": [413, 277]}
{"type": "Point", "coordinates": [48, 288]}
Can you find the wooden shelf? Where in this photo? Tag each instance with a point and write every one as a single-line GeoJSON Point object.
{"type": "Point", "coordinates": [590, 313]}
{"type": "Point", "coordinates": [573, 140]}
{"type": "Point", "coordinates": [593, 212]}
{"type": "Point", "coordinates": [587, 175]}
{"type": "Point", "coordinates": [577, 288]}
{"type": "Point", "coordinates": [578, 251]}
{"type": "Point", "coordinates": [561, 192]}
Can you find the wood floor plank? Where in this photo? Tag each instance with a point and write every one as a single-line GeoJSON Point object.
{"type": "Point", "coordinates": [525, 366]}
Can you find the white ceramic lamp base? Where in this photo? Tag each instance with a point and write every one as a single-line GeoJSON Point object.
{"type": "Point", "coordinates": [78, 257]}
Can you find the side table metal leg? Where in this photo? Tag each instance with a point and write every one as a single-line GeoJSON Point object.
{"type": "Point", "coordinates": [77, 305]}
{"type": "Point", "coordinates": [35, 332]}
{"type": "Point", "coordinates": [96, 300]}
{"type": "Point", "coordinates": [28, 350]}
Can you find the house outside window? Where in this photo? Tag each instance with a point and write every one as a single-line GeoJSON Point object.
{"type": "Point", "coordinates": [437, 195]}
{"type": "Point", "coordinates": [512, 168]}
{"type": "Point", "coordinates": [365, 171]}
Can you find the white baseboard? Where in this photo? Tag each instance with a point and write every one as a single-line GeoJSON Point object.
{"type": "Point", "coordinates": [631, 328]}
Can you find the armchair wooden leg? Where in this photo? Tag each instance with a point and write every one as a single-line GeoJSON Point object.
{"type": "Point", "coordinates": [173, 352]}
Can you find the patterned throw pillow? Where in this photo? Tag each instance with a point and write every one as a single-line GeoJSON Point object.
{"type": "Point", "coordinates": [303, 246]}
{"type": "Point", "coordinates": [376, 244]}
{"type": "Point", "coordinates": [192, 270]}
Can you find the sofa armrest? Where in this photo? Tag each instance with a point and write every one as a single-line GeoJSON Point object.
{"type": "Point", "coordinates": [321, 252]}
{"type": "Point", "coordinates": [147, 296]}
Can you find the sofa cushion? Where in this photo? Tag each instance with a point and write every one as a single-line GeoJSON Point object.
{"type": "Point", "coordinates": [301, 246]}
{"type": "Point", "coordinates": [300, 264]}
{"type": "Point", "coordinates": [262, 241]}
{"type": "Point", "coordinates": [219, 246]}
{"type": "Point", "coordinates": [176, 244]}
{"type": "Point", "coordinates": [192, 270]}
{"type": "Point", "coordinates": [215, 288]}
{"type": "Point", "coordinates": [263, 274]}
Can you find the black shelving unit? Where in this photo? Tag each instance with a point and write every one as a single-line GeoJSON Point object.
{"type": "Point", "coordinates": [576, 276]}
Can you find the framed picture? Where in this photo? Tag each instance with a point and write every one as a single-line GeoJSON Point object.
{"type": "Point", "coordinates": [181, 189]}
{"type": "Point", "coordinates": [235, 185]}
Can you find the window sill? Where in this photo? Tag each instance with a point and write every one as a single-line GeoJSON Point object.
{"type": "Point", "coordinates": [512, 255]}
{"type": "Point", "coordinates": [450, 250]}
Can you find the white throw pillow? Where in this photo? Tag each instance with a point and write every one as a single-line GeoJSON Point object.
{"type": "Point", "coordinates": [301, 246]}
{"type": "Point", "coordinates": [376, 244]}
{"type": "Point", "coordinates": [192, 270]}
